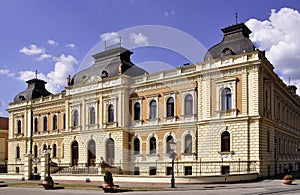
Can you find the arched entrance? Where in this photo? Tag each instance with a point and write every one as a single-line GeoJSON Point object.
{"type": "Point", "coordinates": [91, 153]}
{"type": "Point", "coordinates": [74, 153]}
{"type": "Point", "coordinates": [110, 151]}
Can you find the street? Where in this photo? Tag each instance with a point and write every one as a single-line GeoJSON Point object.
{"type": "Point", "coordinates": [263, 187]}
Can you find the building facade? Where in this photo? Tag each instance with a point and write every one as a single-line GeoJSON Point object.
{"type": "Point", "coordinates": [230, 114]}
{"type": "Point", "coordinates": [3, 139]}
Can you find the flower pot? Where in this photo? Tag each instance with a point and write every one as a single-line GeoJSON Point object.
{"type": "Point", "coordinates": [108, 186]}
{"type": "Point", "coordinates": [48, 184]}
{"type": "Point", "coordinates": [288, 182]}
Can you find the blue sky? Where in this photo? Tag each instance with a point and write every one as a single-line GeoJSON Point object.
{"type": "Point", "coordinates": [55, 36]}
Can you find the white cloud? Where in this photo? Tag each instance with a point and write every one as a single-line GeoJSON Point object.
{"type": "Point", "coordinates": [56, 79]}
{"type": "Point", "coordinates": [71, 45]}
{"type": "Point", "coordinates": [279, 37]}
{"type": "Point", "coordinates": [32, 50]}
{"type": "Point", "coordinates": [139, 39]}
{"type": "Point", "coordinates": [110, 37]}
{"type": "Point", "coordinates": [52, 42]}
{"type": "Point", "coordinates": [43, 57]}
{"type": "Point", "coordinates": [27, 75]}
{"type": "Point", "coordinates": [169, 13]}
{"type": "Point", "coordinates": [6, 72]}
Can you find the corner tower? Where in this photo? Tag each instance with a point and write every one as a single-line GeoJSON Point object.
{"type": "Point", "coordinates": [235, 41]}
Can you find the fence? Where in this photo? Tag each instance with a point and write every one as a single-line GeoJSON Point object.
{"type": "Point", "coordinates": [163, 168]}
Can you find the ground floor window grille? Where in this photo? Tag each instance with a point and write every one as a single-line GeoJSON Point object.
{"type": "Point", "coordinates": [225, 170]}
{"type": "Point", "coordinates": [188, 170]}
{"type": "Point", "coordinates": [136, 170]}
{"type": "Point", "coordinates": [152, 170]}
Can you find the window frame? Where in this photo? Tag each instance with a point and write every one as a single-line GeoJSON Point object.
{"type": "Point", "coordinates": [153, 109]}
{"type": "Point", "coordinates": [152, 145]}
{"type": "Point", "coordinates": [137, 111]}
{"type": "Point", "coordinates": [188, 104]}
{"type": "Point", "coordinates": [45, 123]}
{"type": "Point", "coordinates": [170, 106]}
{"type": "Point", "coordinates": [92, 115]}
{"type": "Point", "coordinates": [110, 113]}
{"type": "Point", "coordinates": [226, 99]}
{"type": "Point", "coordinates": [225, 142]}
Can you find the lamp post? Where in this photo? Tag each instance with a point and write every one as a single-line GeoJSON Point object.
{"type": "Point", "coordinates": [48, 151]}
{"type": "Point", "coordinates": [172, 155]}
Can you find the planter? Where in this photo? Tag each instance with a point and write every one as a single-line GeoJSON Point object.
{"type": "Point", "coordinates": [287, 179]}
{"type": "Point", "coordinates": [288, 182]}
{"type": "Point", "coordinates": [108, 186]}
{"type": "Point", "coordinates": [48, 184]}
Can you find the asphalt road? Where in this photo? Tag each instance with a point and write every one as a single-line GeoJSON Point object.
{"type": "Point", "coordinates": [261, 188]}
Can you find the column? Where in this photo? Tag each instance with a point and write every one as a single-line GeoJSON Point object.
{"type": "Point", "coordinates": [28, 166]}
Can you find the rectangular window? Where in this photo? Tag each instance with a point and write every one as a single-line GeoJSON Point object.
{"type": "Point", "coordinates": [188, 170]}
{"type": "Point", "coordinates": [136, 171]}
{"type": "Point", "coordinates": [168, 170]}
{"type": "Point", "coordinates": [225, 170]}
{"type": "Point", "coordinates": [152, 170]}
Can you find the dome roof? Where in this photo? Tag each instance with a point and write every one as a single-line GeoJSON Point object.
{"type": "Point", "coordinates": [235, 41]}
{"type": "Point", "coordinates": [36, 89]}
{"type": "Point", "coordinates": [110, 63]}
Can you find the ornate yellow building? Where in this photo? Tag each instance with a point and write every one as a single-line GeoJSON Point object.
{"type": "Point", "coordinates": [230, 114]}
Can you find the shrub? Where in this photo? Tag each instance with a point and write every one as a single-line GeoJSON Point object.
{"type": "Point", "coordinates": [287, 177]}
{"type": "Point", "coordinates": [48, 178]}
{"type": "Point", "coordinates": [108, 177]}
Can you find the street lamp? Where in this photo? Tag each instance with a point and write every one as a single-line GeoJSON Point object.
{"type": "Point", "coordinates": [48, 151]}
{"type": "Point", "coordinates": [172, 155]}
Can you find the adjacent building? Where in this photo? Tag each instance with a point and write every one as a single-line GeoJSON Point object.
{"type": "Point", "coordinates": [230, 114]}
{"type": "Point", "coordinates": [3, 143]}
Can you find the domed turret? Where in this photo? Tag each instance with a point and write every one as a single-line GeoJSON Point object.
{"type": "Point", "coordinates": [36, 89]}
{"type": "Point", "coordinates": [110, 63]}
{"type": "Point", "coordinates": [235, 41]}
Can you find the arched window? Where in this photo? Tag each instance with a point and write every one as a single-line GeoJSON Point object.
{"type": "Point", "coordinates": [54, 151]}
{"type": "Point", "coordinates": [226, 99]}
{"type": "Point", "coordinates": [18, 152]}
{"type": "Point", "coordinates": [91, 153]}
{"type": "Point", "coordinates": [36, 125]}
{"type": "Point", "coordinates": [55, 122]}
{"type": "Point", "coordinates": [225, 142]}
{"type": "Point", "coordinates": [75, 118]}
{"type": "Point", "coordinates": [188, 104]}
{"type": "Point", "coordinates": [110, 151]}
{"type": "Point", "coordinates": [152, 144]}
{"type": "Point", "coordinates": [153, 107]}
{"type": "Point", "coordinates": [188, 144]}
{"type": "Point", "coordinates": [110, 113]}
{"type": "Point", "coordinates": [169, 140]}
{"type": "Point", "coordinates": [136, 144]}
{"type": "Point", "coordinates": [170, 107]}
{"type": "Point", "coordinates": [19, 128]}
{"type": "Point", "coordinates": [35, 151]}
{"type": "Point", "coordinates": [137, 111]}
{"type": "Point", "coordinates": [44, 147]}
{"type": "Point", "coordinates": [45, 123]}
{"type": "Point", "coordinates": [92, 116]}
{"type": "Point", "coordinates": [74, 153]}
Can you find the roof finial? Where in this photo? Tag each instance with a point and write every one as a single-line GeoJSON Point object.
{"type": "Point", "coordinates": [36, 73]}
{"type": "Point", "coordinates": [236, 17]}
{"type": "Point", "coordinates": [289, 80]}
